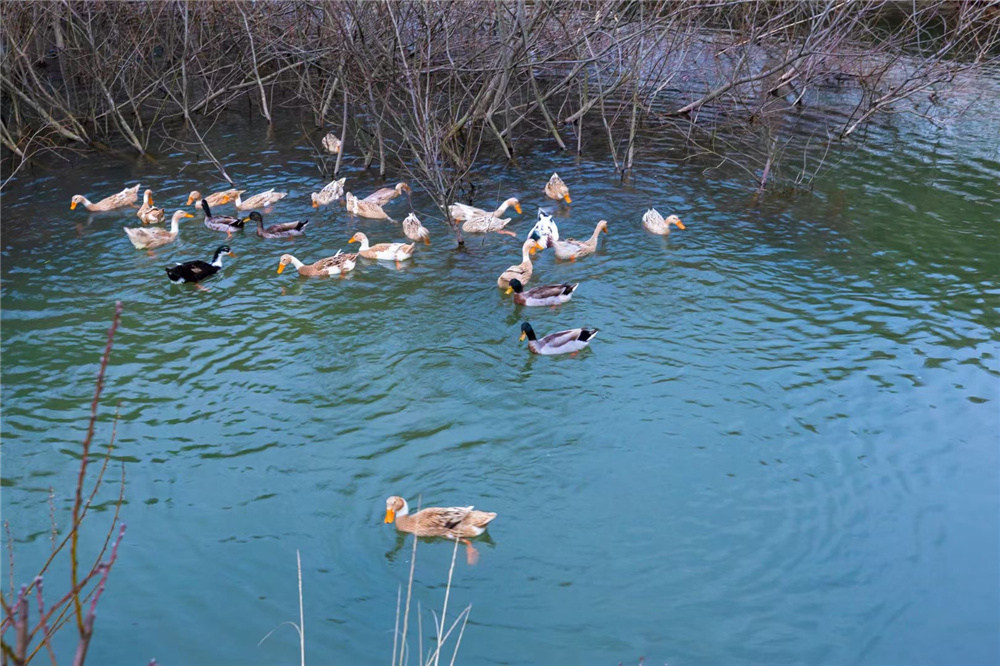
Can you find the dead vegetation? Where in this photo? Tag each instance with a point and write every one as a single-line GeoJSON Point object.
{"type": "Point", "coordinates": [426, 88]}
{"type": "Point", "coordinates": [22, 638]}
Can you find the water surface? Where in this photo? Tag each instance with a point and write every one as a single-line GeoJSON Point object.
{"type": "Point", "coordinates": [781, 448]}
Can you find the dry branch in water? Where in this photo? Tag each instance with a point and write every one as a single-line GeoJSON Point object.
{"type": "Point", "coordinates": [432, 87]}
{"type": "Point", "coordinates": [87, 582]}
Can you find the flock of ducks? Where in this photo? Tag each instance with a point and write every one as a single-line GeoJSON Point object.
{"type": "Point", "coordinates": [458, 523]}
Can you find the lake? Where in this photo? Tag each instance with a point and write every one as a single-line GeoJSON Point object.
{"type": "Point", "coordinates": [782, 447]}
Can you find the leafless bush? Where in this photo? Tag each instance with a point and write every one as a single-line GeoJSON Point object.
{"type": "Point", "coordinates": [431, 85]}
{"type": "Point", "coordinates": [87, 582]}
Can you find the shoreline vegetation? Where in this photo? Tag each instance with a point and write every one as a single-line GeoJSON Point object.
{"type": "Point", "coordinates": [427, 89]}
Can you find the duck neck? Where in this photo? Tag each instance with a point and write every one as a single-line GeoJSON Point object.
{"type": "Point", "coordinates": [597, 232]}
{"type": "Point", "coordinates": [295, 262]}
{"type": "Point", "coordinates": [217, 260]}
{"type": "Point", "coordinates": [526, 253]}
{"type": "Point", "coordinates": [174, 225]}
{"type": "Point", "coordinates": [87, 204]}
{"type": "Point", "coordinates": [501, 210]}
{"type": "Point", "coordinates": [364, 245]}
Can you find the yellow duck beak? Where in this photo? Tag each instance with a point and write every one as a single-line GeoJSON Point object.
{"type": "Point", "coordinates": [568, 200]}
{"type": "Point", "coordinates": [509, 289]}
{"type": "Point", "coordinates": [517, 207]}
{"type": "Point", "coordinates": [390, 515]}
{"type": "Point", "coordinates": [189, 201]}
{"type": "Point", "coordinates": [231, 255]}
{"type": "Point", "coordinates": [188, 215]}
{"type": "Point", "coordinates": [281, 267]}
{"type": "Point", "coordinates": [680, 225]}
{"type": "Point", "coordinates": [315, 205]}
{"type": "Point", "coordinates": [72, 205]}
{"type": "Point", "coordinates": [523, 336]}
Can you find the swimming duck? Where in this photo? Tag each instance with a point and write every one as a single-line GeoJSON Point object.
{"type": "Point", "coordinates": [331, 143]}
{"type": "Point", "coordinates": [386, 251]}
{"type": "Point", "coordinates": [561, 342]}
{"type": "Point", "coordinates": [655, 223]}
{"type": "Point", "coordinates": [126, 197]}
{"type": "Point", "coordinates": [338, 264]}
{"type": "Point", "coordinates": [363, 208]}
{"type": "Point", "coordinates": [556, 189]}
{"type": "Point", "coordinates": [284, 230]}
{"type": "Point", "coordinates": [479, 221]}
{"type": "Point", "coordinates": [333, 191]}
{"type": "Point", "coordinates": [415, 231]}
{"type": "Point", "coordinates": [217, 199]}
{"type": "Point", "coordinates": [573, 249]}
{"type": "Point", "coordinates": [548, 294]}
{"type": "Point", "coordinates": [147, 239]}
{"type": "Point", "coordinates": [196, 271]}
{"type": "Point", "coordinates": [226, 223]}
{"type": "Point", "coordinates": [147, 213]}
{"type": "Point", "coordinates": [453, 522]}
{"type": "Point", "coordinates": [544, 229]}
{"type": "Point", "coordinates": [384, 195]}
{"type": "Point", "coordinates": [521, 271]}
{"type": "Point", "coordinates": [262, 200]}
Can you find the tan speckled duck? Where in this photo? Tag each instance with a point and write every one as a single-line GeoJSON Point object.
{"type": "Point", "coordinates": [217, 199]}
{"type": "Point", "coordinates": [126, 197]}
{"type": "Point", "coordinates": [573, 249]}
{"type": "Point", "coordinates": [521, 271]}
{"type": "Point", "coordinates": [556, 189]}
{"type": "Point", "coordinates": [453, 522]}
{"type": "Point", "coordinates": [147, 212]}
{"type": "Point", "coordinates": [338, 264]}
{"type": "Point", "coordinates": [363, 208]}
{"type": "Point", "coordinates": [153, 237]}
{"type": "Point", "coordinates": [655, 223]}
{"type": "Point", "coordinates": [262, 200]}
{"type": "Point", "coordinates": [330, 193]}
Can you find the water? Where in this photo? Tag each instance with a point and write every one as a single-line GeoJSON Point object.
{"type": "Point", "coordinates": [781, 448]}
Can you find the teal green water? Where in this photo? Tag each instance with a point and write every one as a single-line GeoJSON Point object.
{"type": "Point", "coordinates": [781, 448]}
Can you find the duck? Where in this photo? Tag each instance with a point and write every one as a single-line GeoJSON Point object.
{"type": "Point", "coordinates": [548, 294]}
{"type": "Point", "coordinates": [655, 223]}
{"type": "Point", "coordinates": [147, 213]}
{"type": "Point", "coordinates": [262, 200]}
{"type": "Point", "coordinates": [384, 195]}
{"type": "Point", "coordinates": [479, 221]}
{"type": "Point", "coordinates": [573, 249]}
{"type": "Point", "coordinates": [521, 271]}
{"type": "Point", "coordinates": [226, 223]}
{"type": "Point", "coordinates": [415, 231]}
{"type": "Point", "coordinates": [333, 191]}
{"type": "Point", "coordinates": [363, 208]}
{"type": "Point", "coordinates": [338, 264]}
{"type": "Point", "coordinates": [217, 199]}
{"type": "Point", "coordinates": [454, 522]}
{"type": "Point", "coordinates": [562, 342]}
{"type": "Point", "coordinates": [126, 197]}
{"type": "Point", "coordinates": [556, 189]}
{"type": "Point", "coordinates": [331, 143]}
{"type": "Point", "coordinates": [544, 229]}
{"type": "Point", "coordinates": [147, 239]}
{"type": "Point", "coordinates": [284, 230]}
{"type": "Point", "coordinates": [196, 271]}
{"type": "Point", "coordinates": [386, 251]}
